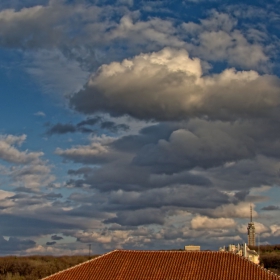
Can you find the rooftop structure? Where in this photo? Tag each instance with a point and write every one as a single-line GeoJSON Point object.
{"type": "Point", "coordinates": [159, 265]}
{"type": "Point", "coordinates": [192, 248]}
{"type": "Point", "coordinates": [242, 250]}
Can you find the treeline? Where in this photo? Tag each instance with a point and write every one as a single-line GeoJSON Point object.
{"type": "Point", "coordinates": [36, 267]}
{"type": "Point", "coordinates": [269, 256]}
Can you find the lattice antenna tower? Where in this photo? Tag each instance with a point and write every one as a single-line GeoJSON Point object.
{"type": "Point", "coordinates": [251, 229]}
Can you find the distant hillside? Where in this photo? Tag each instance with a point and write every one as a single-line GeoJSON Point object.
{"type": "Point", "coordinates": [269, 256]}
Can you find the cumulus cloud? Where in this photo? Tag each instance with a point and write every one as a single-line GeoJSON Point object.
{"type": "Point", "coordinates": [203, 222]}
{"type": "Point", "coordinates": [275, 230]}
{"type": "Point", "coordinates": [121, 237]}
{"type": "Point", "coordinates": [160, 156]}
{"type": "Point", "coordinates": [56, 251]}
{"type": "Point", "coordinates": [52, 20]}
{"type": "Point", "coordinates": [188, 173]}
{"type": "Point", "coordinates": [190, 197]}
{"type": "Point", "coordinates": [201, 143]}
{"type": "Point", "coordinates": [156, 193]}
{"type": "Point", "coordinates": [218, 38]}
{"type": "Point", "coordinates": [96, 21]}
{"type": "Point", "coordinates": [28, 169]}
{"type": "Point", "coordinates": [240, 210]}
{"type": "Point", "coordinates": [155, 32]}
{"type": "Point", "coordinates": [259, 171]}
{"type": "Point", "coordinates": [32, 176]}
{"type": "Point", "coordinates": [10, 153]}
{"type": "Point", "coordinates": [169, 85]}
{"type": "Point", "coordinates": [97, 152]}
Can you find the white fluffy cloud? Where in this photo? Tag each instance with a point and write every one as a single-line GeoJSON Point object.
{"type": "Point", "coordinates": [97, 151]}
{"type": "Point", "coordinates": [8, 151]}
{"type": "Point", "coordinates": [203, 222]}
{"type": "Point", "coordinates": [32, 176]}
{"type": "Point", "coordinates": [50, 250]}
{"type": "Point", "coordinates": [155, 32]}
{"type": "Point", "coordinates": [275, 230]}
{"type": "Point", "coordinates": [170, 85]}
{"type": "Point", "coordinates": [240, 210]}
{"type": "Point", "coordinates": [218, 38]}
{"type": "Point", "coordinates": [46, 26]}
{"type": "Point", "coordinates": [27, 168]}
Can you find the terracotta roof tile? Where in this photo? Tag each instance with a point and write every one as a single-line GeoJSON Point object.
{"type": "Point", "coordinates": [166, 265]}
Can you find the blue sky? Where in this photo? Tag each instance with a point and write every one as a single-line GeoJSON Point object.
{"type": "Point", "coordinates": [137, 124]}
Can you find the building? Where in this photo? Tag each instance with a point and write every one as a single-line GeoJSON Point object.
{"type": "Point", "coordinates": [166, 265]}
{"type": "Point", "coordinates": [251, 230]}
{"type": "Point", "coordinates": [243, 251]}
{"type": "Point", "coordinates": [192, 248]}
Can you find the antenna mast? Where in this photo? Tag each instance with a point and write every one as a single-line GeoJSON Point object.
{"type": "Point", "coordinates": [251, 214]}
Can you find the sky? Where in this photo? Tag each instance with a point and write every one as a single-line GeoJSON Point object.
{"type": "Point", "coordinates": [145, 125]}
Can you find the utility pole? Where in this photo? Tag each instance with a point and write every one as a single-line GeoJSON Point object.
{"type": "Point", "coordinates": [259, 252]}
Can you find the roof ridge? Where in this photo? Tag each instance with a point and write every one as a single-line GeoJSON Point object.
{"type": "Point", "coordinates": [77, 265]}
{"type": "Point", "coordinates": [168, 251]}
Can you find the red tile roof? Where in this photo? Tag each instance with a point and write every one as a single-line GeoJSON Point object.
{"type": "Point", "coordinates": [166, 265]}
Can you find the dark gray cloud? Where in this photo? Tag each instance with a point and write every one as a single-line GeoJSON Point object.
{"type": "Point", "coordinates": [192, 174]}
{"type": "Point", "coordinates": [148, 135]}
{"type": "Point", "coordinates": [50, 243]}
{"type": "Point", "coordinates": [203, 143]}
{"type": "Point", "coordinates": [138, 217]}
{"type": "Point", "coordinates": [271, 208]}
{"type": "Point", "coordinates": [114, 177]}
{"type": "Point", "coordinates": [81, 171]}
{"type": "Point", "coordinates": [15, 245]}
{"type": "Point", "coordinates": [53, 196]}
{"type": "Point", "coordinates": [23, 189]}
{"type": "Point", "coordinates": [60, 128]}
{"type": "Point", "coordinates": [111, 126]}
{"type": "Point", "coordinates": [189, 197]}
{"type": "Point", "coordinates": [56, 237]}
{"type": "Point", "coordinates": [164, 154]}
{"type": "Point", "coordinates": [16, 225]}
{"type": "Point", "coordinates": [90, 121]}
{"type": "Point", "coordinates": [241, 195]}
{"type": "Point", "coordinates": [82, 127]}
